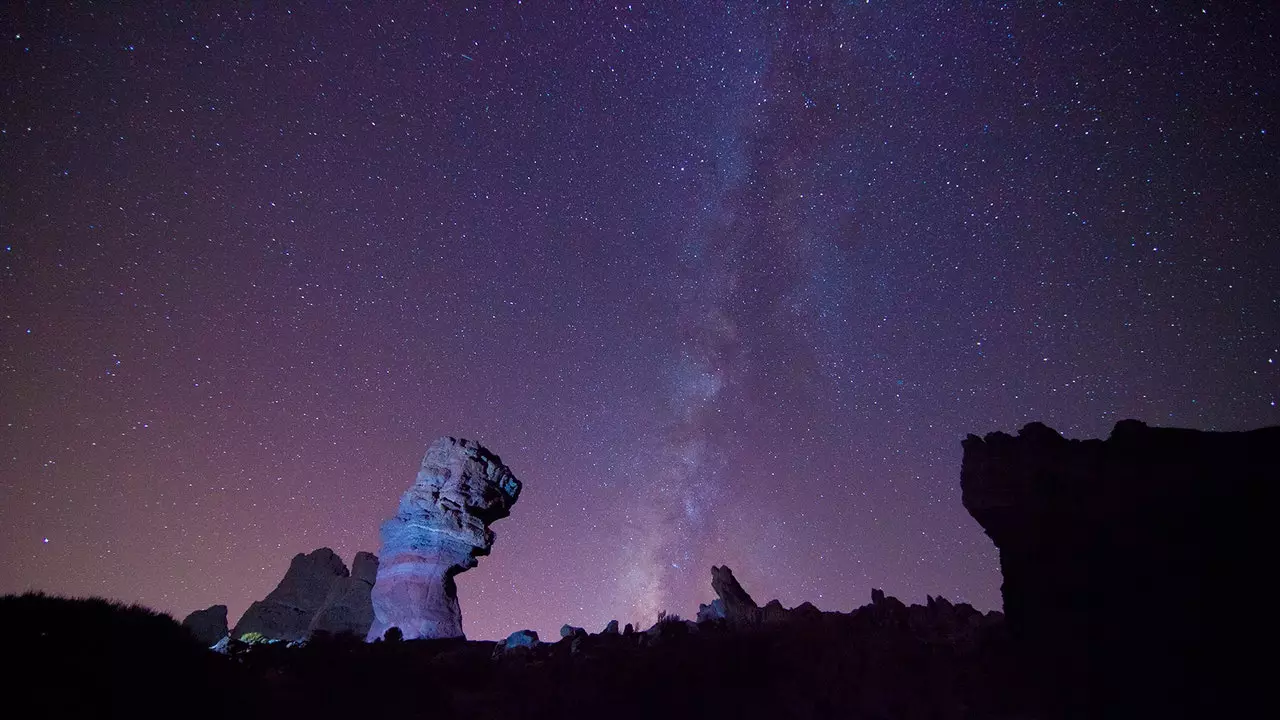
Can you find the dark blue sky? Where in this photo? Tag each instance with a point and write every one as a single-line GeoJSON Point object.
{"type": "Point", "coordinates": [721, 283]}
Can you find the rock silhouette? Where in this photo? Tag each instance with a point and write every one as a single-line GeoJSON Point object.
{"type": "Point", "coordinates": [441, 527]}
{"type": "Point", "coordinates": [208, 626]}
{"type": "Point", "coordinates": [1117, 557]}
{"type": "Point", "coordinates": [736, 602]}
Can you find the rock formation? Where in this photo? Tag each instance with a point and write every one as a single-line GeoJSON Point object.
{"type": "Point", "coordinates": [316, 593]}
{"type": "Point", "coordinates": [349, 607]}
{"type": "Point", "coordinates": [1118, 556]}
{"type": "Point", "coordinates": [732, 603]}
{"type": "Point", "coordinates": [737, 602]}
{"type": "Point", "coordinates": [441, 527]}
{"type": "Point", "coordinates": [208, 626]}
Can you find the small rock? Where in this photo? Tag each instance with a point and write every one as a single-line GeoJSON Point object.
{"type": "Point", "coordinates": [571, 631]}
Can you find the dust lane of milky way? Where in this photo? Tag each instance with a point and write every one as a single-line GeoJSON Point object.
{"type": "Point", "coordinates": [721, 285]}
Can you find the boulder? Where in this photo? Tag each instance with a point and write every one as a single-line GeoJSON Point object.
{"type": "Point", "coordinates": [525, 639]}
{"type": "Point", "coordinates": [571, 631]}
{"type": "Point", "coordinates": [522, 638]}
{"type": "Point", "coordinates": [439, 530]}
{"type": "Point", "coordinates": [1117, 557]}
{"type": "Point", "coordinates": [611, 628]}
{"type": "Point", "coordinates": [208, 625]}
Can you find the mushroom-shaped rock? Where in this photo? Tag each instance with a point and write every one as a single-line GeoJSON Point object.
{"type": "Point", "coordinates": [440, 529]}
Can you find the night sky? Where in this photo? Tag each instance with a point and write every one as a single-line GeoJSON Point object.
{"type": "Point", "coordinates": [720, 283]}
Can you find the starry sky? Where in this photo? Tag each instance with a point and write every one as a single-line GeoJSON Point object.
{"type": "Point", "coordinates": [721, 283]}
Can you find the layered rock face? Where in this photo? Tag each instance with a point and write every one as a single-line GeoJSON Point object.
{"type": "Point", "coordinates": [440, 529]}
{"type": "Point", "coordinates": [1117, 556]}
{"type": "Point", "coordinates": [316, 593]}
{"type": "Point", "coordinates": [208, 626]}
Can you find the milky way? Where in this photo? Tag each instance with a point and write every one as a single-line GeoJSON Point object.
{"type": "Point", "coordinates": [721, 284]}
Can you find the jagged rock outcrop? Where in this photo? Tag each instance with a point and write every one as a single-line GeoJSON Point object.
{"type": "Point", "coordinates": [939, 620]}
{"type": "Point", "coordinates": [732, 603]}
{"type": "Point", "coordinates": [1118, 557]}
{"type": "Point", "coordinates": [287, 611]}
{"type": "Point", "coordinates": [316, 593]}
{"type": "Point", "coordinates": [208, 626]}
{"type": "Point", "coordinates": [712, 611]}
{"type": "Point", "coordinates": [349, 607]}
{"type": "Point", "coordinates": [737, 602]}
{"type": "Point", "coordinates": [440, 529]}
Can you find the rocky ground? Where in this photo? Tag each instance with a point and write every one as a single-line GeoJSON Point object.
{"type": "Point", "coordinates": [885, 660]}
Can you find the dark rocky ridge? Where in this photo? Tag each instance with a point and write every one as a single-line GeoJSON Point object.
{"type": "Point", "coordinates": [884, 660]}
{"type": "Point", "coordinates": [1122, 559]}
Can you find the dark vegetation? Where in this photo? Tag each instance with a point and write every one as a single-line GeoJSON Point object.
{"type": "Point", "coordinates": [95, 658]}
